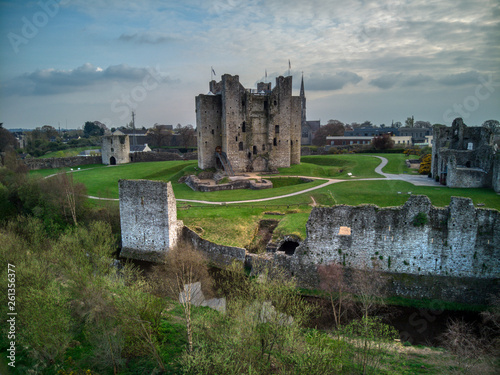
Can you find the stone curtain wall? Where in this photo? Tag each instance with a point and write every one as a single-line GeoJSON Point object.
{"type": "Point", "coordinates": [148, 218]}
{"type": "Point", "coordinates": [459, 240]}
{"type": "Point", "coordinates": [69, 162]}
{"type": "Point", "coordinates": [216, 253]}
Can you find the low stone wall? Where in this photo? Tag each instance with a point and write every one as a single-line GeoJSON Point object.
{"type": "Point", "coordinates": [197, 185]}
{"type": "Point", "coordinates": [137, 157]}
{"type": "Point", "coordinates": [75, 161]}
{"type": "Point", "coordinates": [216, 253]}
{"type": "Point", "coordinates": [72, 161]}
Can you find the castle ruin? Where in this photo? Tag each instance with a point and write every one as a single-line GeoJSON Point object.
{"type": "Point", "coordinates": [243, 130]}
{"type": "Point", "coordinates": [465, 157]}
{"type": "Point", "coordinates": [115, 149]}
{"type": "Point", "coordinates": [148, 219]}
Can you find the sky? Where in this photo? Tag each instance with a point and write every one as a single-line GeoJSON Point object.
{"type": "Point", "coordinates": [64, 62]}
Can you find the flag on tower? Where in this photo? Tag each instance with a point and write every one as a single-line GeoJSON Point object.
{"type": "Point", "coordinates": [289, 64]}
{"type": "Point", "coordinates": [266, 74]}
{"type": "Point", "coordinates": [213, 71]}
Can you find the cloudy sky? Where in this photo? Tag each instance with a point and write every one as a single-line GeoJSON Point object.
{"type": "Point", "coordinates": [64, 62]}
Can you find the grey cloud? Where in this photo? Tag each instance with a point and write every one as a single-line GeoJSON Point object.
{"type": "Point", "coordinates": [52, 81]}
{"type": "Point", "coordinates": [147, 38]}
{"type": "Point", "coordinates": [460, 78]}
{"type": "Point", "coordinates": [386, 81]}
{"type": "Point", "coordinates": [327, 82]}
{"type": "Point", "coordinates": [415, 80]}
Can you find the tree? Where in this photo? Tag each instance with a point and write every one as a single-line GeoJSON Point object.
{"type": "Point", "coordinates": [333, 282]}
{"type": "Point", "coordinates": [493, 125]}
{"type": "Point", "coordinates": [91, 129]}
{"type": "Point", "coordinates": [423, 124]}
{"type": "Point", "coordinates": [367, 124]}
{"type": "Point", "coordinates": [398, 124]}
{"type": "Point", "coordinates": [382, 142]}
{"type": "Point", "coordinates": [50, 131]}
{"type": "Point", "coordinates": [369, 286]}
{"type": "Point", "coordinates": [7, 140]}
{"type": "Point", "coordinates": [159, 137]}
{"type": "Point", "coordinates": [183, 267]}
{"type": "Point", "coordinates": [333, 128]}
{"type": "Point", "coordinates": [186, 136]}
{"type": "Point", "coordinates": [409, 122]}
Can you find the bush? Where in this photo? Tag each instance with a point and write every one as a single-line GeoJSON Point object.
{"type": "Point", "coordinates": [420, 219]}
{"type": "Point", "coordinates": [425, 164]}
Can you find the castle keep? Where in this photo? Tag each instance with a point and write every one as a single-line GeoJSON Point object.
{"type": "Point", "coordinates": [243, 130]}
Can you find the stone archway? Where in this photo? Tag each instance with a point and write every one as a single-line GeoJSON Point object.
{"type": "Point", "coordinates": [112, 160]}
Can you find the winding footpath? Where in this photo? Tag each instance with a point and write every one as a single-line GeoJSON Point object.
{"type": "Point", "coordinates": [416, 180]}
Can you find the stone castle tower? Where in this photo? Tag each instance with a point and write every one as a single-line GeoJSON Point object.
{"type": "Point", "coordinates": [115, 149]}
{"type": "Point", "coordinates": [148, 218]}
{"type": "Point", "coordinates": [242, 130]}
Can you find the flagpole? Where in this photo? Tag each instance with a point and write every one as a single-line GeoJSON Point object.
{"type": "Point", "coordinates": [211, 73]}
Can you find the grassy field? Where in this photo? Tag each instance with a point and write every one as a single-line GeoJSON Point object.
{"type": "Point", "coordinates": [68, 152]}
{"type": "Point", "coordinates": [236, 224]}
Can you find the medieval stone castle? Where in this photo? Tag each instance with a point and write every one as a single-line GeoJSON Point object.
{"type": "Point", "coordinates": [244, 130]}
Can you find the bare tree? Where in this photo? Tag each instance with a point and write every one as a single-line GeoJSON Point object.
{"type": "Point", "coordinates": [334, 283]}
{"type": "Point", "coordinates": [460, 339]}
{"type": "Point", "coordinates": [369, 286]}
{"type": "Point", "coordinates": [183, 267]}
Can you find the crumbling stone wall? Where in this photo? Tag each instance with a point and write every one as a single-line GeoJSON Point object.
{"type": "Point", "coordinates": [49, 163]}
{"type": "Point", "coordinates": [464, 156]}
{"type": "Point", "coordinates": [459, 240]}
{"type": "Point", "coordinates": [217, 253]}
{"type": "Point", "coordinates": [258, 130]}
{"type": "Point", "coordinates": [148, 218]}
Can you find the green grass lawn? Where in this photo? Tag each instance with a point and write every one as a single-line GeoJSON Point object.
{"type": "Point", "coordinates": [334, 166]}
{"type": "Point", "coordinates": [68, 152]}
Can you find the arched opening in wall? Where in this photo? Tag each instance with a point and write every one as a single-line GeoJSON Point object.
{"type": "Point", "coordinates": [255, 150]}
{"type": "Point", "coordinates": [240, 146]}
{"type": "Point", "coordinates": [289, 247]}
{"type": "Point", "coordinates": [249, 155]}
{"type": "Point", "coordinates": [468, 164]}
{"type": "Point", "coordinates": [274, 142]}
{"type": "Point", "coordinates": [112, 160]}
{"type": "Point", "coordinates": [243, 127]}
{"type": "Point", "coordinates": [276, 129]}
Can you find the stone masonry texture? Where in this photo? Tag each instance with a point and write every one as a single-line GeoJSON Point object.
{"type": "Point", "coordinates": [148, 218]}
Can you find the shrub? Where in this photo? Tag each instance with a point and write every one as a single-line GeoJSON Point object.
{"type": "Point", "coordinates": [425, 164]}
{"type": "Point", "coordinates": [420, 219]}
